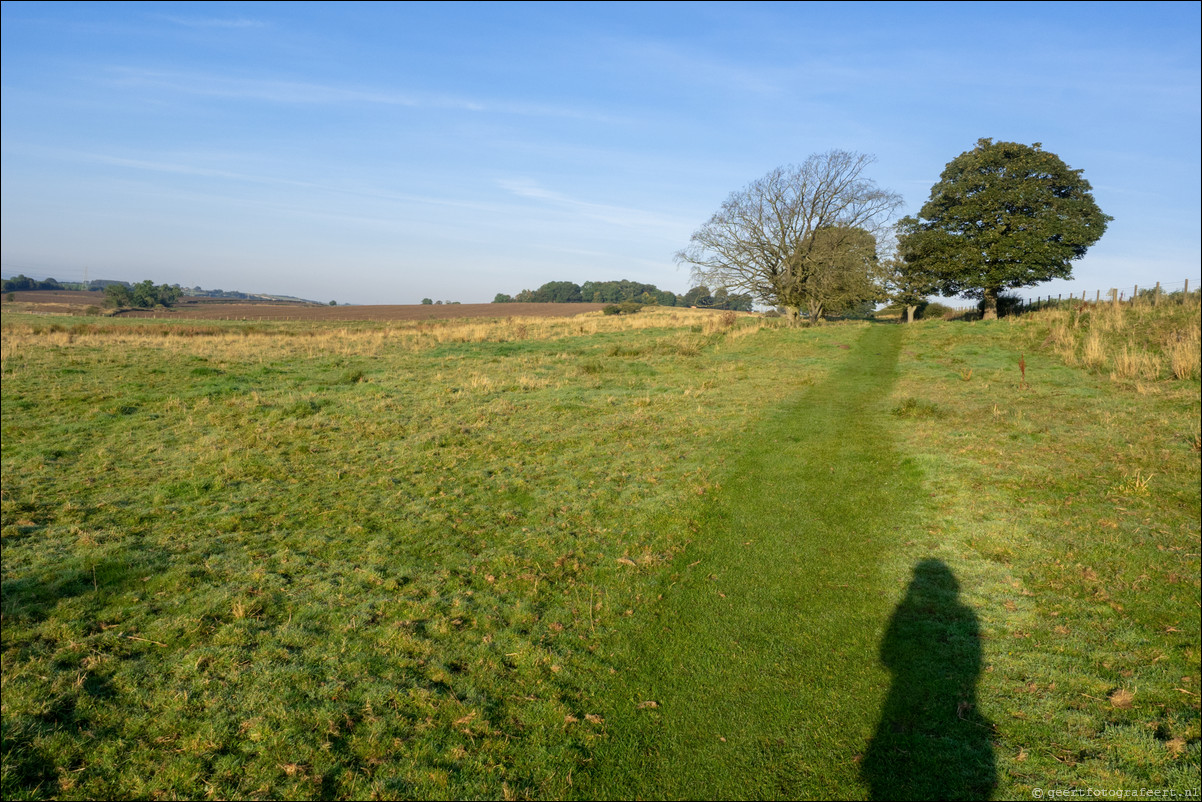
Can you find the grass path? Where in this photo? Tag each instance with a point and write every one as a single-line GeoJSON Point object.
{"type": "Point", "coordinates": [763, 659]}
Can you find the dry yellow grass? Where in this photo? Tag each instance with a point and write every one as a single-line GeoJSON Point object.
{"type": "Point", "coordinates": [1135, 343]}
{"type": "Point", "coordinates": [312, 341]}
{"type": "Point", "coordinates": [1093, 351]}
{"type": "Point", "coordinates": [1133, 363]}
{"type": "Point", "coordinates": [1185, 352]}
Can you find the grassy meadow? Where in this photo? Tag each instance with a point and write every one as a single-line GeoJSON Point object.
{"type": "Point", "coordinates": [673, 554]}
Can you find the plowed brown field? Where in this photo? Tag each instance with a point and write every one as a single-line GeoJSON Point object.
{"type": "Point", "coordinates": [209, 311]}
{"type": "Point", "coordinates": [64, 301]}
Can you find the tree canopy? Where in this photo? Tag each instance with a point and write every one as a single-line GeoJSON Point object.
{"type": "Point", "coordinates": [907, 284]}
{"type": "Point", "coordinates": [845, 272]}
{"type": "Point", "coordinates": [701, 297]}
{"type": "Point", "coordinates": [144, 294]}
{"type": "Point", "coordinates": [1002, 215]}
{"type": "Point", "coordinates": [790, 238]}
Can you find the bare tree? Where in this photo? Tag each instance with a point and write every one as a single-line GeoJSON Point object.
{"type": "Point", "coordinates": [789, 238]}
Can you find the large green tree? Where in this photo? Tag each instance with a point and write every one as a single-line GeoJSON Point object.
{"type": "Point", "coordinates": [1003, 215]}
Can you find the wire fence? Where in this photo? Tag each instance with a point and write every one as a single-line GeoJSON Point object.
{"type": "Point", "coordinates": [1157, 292]}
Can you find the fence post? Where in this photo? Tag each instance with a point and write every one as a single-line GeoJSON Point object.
{"type": "Point", "coordinates": [1098, 297]}
{"type": "Point", "coordinates": [1134, 294]}
{"type": "Point", "coordinates": [1156, 295]}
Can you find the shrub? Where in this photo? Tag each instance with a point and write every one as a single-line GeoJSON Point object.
{"type": "Point", "coordinates": [624, 308]}
{"type": "Point", "coordinates": [1006, 305]}
{"type": "Point", "coordinates": [935, 311]}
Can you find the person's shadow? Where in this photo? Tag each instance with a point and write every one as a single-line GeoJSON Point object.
{"type": "Point", "coordinates": [932, 741]}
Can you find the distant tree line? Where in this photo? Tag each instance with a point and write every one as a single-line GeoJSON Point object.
{"type": "Point", "coordinates": [23, 283]}
{"type": "Point", "coordinates": [623, 291]}
{"type": "Point", "coordinates": [131, 296]}
{"type": "Point", "coordinates": [198, 292]}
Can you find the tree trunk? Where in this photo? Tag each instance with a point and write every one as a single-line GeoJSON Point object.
{"type": "Point", "coordinates": [990, 312]}
{"type": "Point", "coordinates": [910, 312]}
{"type": "Point", "coordinates": [815, 310]}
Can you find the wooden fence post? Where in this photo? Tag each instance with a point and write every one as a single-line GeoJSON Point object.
{"type": "Point", "coordinates": [1098, 297]}
{"type": "Point", "coordinates": [1156, 295]}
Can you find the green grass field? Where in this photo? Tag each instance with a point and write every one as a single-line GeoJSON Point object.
{"type": "Point", "coordinates": [671, 555]}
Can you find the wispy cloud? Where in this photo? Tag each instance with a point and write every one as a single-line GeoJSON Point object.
{"type": "Point", "coordinates": [528, 188]}
{"type": "Point", "coordinates": [175, 165]}
{"type": "Point", "coordinates": [625, 216]}
{"type": "Point", "coordinates": [183, 168]}
{"type": "Point", "coordinates": [307, 92]}
{"type": "Point", "coordinates": [687, 66]}
{"type": "Point", "coordinates": [277, 91]}
{"type": "Point", "coordinates": [213, 22]}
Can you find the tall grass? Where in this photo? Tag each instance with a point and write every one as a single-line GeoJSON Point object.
{"type": "Point", "coordinates": [1131, 342]}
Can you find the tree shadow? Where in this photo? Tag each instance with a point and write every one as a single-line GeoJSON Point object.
{"type": "Point", "coordinates": [932, 742]}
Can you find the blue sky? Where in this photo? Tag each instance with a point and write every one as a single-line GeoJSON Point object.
{"type": "Point", "coordinates": [379, 153]}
